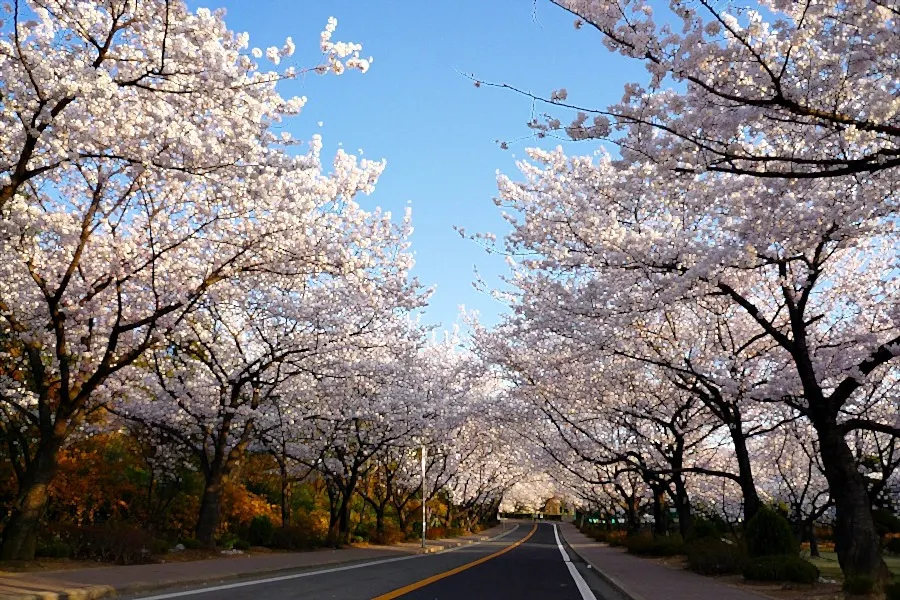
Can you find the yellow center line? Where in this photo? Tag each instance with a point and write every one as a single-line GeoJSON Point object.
{"type": "Point", "coordinates": [428, 580]}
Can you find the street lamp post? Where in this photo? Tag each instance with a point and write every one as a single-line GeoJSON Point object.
{"type": "Point", "coordinates": [423, 496]}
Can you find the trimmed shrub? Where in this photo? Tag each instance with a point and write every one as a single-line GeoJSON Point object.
{"type": "Point", "coordinates": [226, 540]}
{"type": "Point", "coordinates": [715, 557]}
{"type": "Point", "coordinates": [892, 545]}
{"type": "Point", "coordinates": [54, 550]}
{"type": "Point", "coordinates": [302, 536]}
{"type": "Point", "coordinates": [769, 534]}
{"type": "Point", "coordinates": [261, 530]}
{"type": "Point", "coordinates": [781, 568]}
{"type": "Point", "coordinates": [703, 529]}
{"type": "Point", "coordinates": [615, 538]}
{"type": "Point", "coordinates": [886, 522]}
{"type": "Point", "coordinates": [646, 545]}
{"type": "Point", "coordinates": [159, 546]}
{"type": "Point", "coordinates": [110, 543]}
{"type": "Point", "coordinates": [390, 535]}
{"type": "Point", "coordinates": [242, 545]}
{"type": "Point", "coordinates": [192, 543]}
{"type": "Point", "coordinates": [859, 586]}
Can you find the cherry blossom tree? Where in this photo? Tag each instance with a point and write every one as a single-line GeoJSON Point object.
{"type": "Point", "coordinates": [817, 292]}
{"type": "Point", "coordinates": [139, 169]}
{"type": "Point", "coordinates": [772, 89]}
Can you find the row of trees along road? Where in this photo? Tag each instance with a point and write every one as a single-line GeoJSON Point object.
{"type": "Point", "coordinates": [175, 265]}
{"type": "Point", "coordinates": [712, 297]}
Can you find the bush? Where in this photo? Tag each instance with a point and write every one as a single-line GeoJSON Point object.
{"type": "Point", "coordinates": [54, 550]}
{"type": "Point", "coordinates": [601, 535]}
{"type": "Point", "coordinates": [261, 530]}
{"type": "Point", "coordinates": [703, 529]}
{"type": "Point", "coordinates": [243, 545]}
{"type": "Point", "coordinates": [886, 522]}
{"type": "Point", "coordinates": [435, 533]}
{"type": "Point", "coordinates": [111, 543]}
{"type": "Point", "coordinates": [769, 534]}
{"type": "Point", "coordinates": [715, 557]}
{"type": "Point", "coordinates": [192, 544]}
{"type": "Point", "coordinates": [390, 535]}
{"type": "Point", "coordinates": [615, 538]}
{"type": "Point", "coordinates": [159, 546]}
{"type": "Point", "coordinates": [781, 568]}
{"type": "Point", "coordinates": [892, 591]}
{"type": "Point", "coordinates": [859, 586]}
{"type": "Point", "coordinates": [296, 537]}
{"type": "Point", "coordinates": [226, 541]}
{"type": "Point", "coordinates": [645, 545]}
{"type": "Point", "coordinates": [892, 545]}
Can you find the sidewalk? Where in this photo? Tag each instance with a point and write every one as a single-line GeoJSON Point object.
{"type": "Point", "coordinates": [642, 579]}
{"type": "Point", "coordinates": [103, 582]}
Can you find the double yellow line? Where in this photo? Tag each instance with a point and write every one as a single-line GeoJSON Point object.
{"type": "Point", "coordinates": [429, 580]}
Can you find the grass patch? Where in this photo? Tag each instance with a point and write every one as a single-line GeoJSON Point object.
{"type": "Point", "coordinates": [830, 569]}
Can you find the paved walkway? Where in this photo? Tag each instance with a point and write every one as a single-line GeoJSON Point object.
{"type": "Point", "coordinates": [101, 582]}
{"type": "Point", "coordinates": [643, 579]}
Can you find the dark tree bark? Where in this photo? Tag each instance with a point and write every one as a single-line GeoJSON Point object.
{"type": "Point", "coordinates": [683, 507]}
{"type": "Point", "coordinates": [752, 503]}
{"type": "Point", "coordinates": [659, 512]}
{"type": "Point", "coordinates": [210, 509]}
{"type": "Point", "coordinates": [20, 533]}
{"type": "Point", "coordinates": [856, 539]}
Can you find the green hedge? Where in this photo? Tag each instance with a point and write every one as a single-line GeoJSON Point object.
{"type": "Point", "coordinates": [769, 534]}
{"type": "Point", "coordinates": [892, 545]}
{"type": "Point", "coordinates": [715, 557]}
{"type": "Point", "coordinates": [781, 568]}
{"type": "Point", "coordinates": [646, 545]}
{"type": "Point", "coordinates": [892, 591]}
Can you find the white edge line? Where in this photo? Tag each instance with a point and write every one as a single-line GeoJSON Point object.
{"type": "Point", "coordinates": [240, 584]}
{"type": "Point", "coordinates": [580, 583]}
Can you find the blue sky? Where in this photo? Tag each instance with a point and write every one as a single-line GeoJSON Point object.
{"type": "Point", "coordinates": [436, 130]}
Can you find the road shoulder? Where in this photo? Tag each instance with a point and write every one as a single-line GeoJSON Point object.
{"type": "Point", "coordinates": [104, 582]}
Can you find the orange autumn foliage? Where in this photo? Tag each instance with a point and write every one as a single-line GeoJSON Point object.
{"type": "Point", "coordinates": [96, 482]}
{"type": "Point", "coordinates": [240, 506]}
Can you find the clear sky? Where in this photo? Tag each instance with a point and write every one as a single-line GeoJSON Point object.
{"type": "Point", "coordinates": [437, 130]}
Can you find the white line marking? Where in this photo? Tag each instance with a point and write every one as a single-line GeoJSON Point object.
{"type": "Point", "coordinates": [240, 584]}
{"type": "Point", "coordinates": [580, 583]}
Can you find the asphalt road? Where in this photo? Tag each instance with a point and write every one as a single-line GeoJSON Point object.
{"type": "Point", "coordinates": [526, 564]}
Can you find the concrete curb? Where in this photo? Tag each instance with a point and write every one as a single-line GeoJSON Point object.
{"type": "Point", "coordinates": [614, 583]}
{"type": "Point", "coordinates": [93, 592]}
{"type": "Point", "coordinates": [97, 592]}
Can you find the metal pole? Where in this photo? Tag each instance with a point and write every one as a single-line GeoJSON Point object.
{"type": "Point", "coordinates": [423, 495]}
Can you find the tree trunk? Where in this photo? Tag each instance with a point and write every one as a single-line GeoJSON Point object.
{"type": "Point", "coordinates": [631, 515]}
{"type": "Point", "coordinates": [211, 507]}
{"type": "Point", "coordinates": [659, 516]}
{"type": "Point", "coordinates": [339, 529]}
{"type": "Point", "coordinates": [683, 507]}
{"type": "Point", "coordinates": [333, 516]}
{"type": "Point", "coordinates": [402, 521]}
{"type": "Point", "coordinates": [285, 497]}
{"type": "Point", "coordinates": [813, 542]}
{"type": "Point", "coordinates": [20, 533]}
{"type": "Point", "coordinates": [379, 522]}
{"type": "Point", "coordinates": [856, 539]}
{"type": "Point", "coordinates": [752, 503]}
